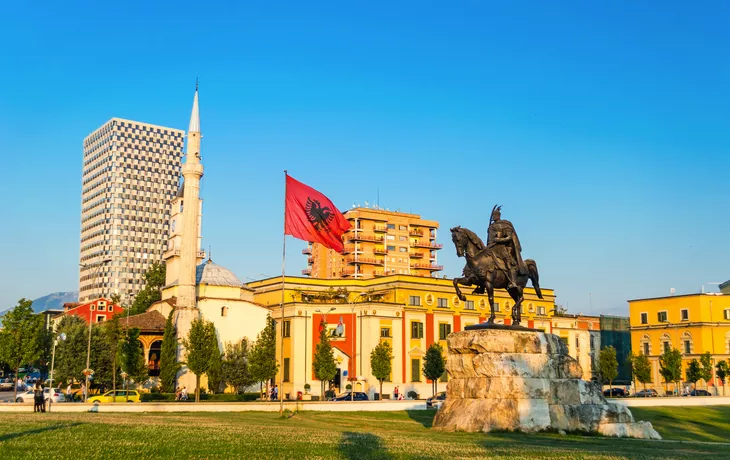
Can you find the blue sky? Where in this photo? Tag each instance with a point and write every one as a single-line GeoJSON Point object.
{"type": "Point", "coordinates": [601, 129]}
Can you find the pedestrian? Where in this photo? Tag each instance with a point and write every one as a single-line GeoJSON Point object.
{"type": "Point", "coordinates": [276, 392]}
{"type": "Point", "coordinates": [69, 394]}
{"type": "Point", "coordinates": [83, 392]}
{"type": "Point", "coordinates": [37, 397]}
{"type": "Point", "coordinates": [177, 394]}
{"type": "Point", "coordinates": [395, 393]}
{"type": "Point", "coordinates": [271, 394]}
{"type": "Point", "coordinates": [184, 394]}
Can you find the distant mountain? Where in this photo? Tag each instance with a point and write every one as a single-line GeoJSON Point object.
{"type": "Point", "coordinates": [54, 301]}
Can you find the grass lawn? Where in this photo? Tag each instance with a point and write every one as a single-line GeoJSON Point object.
{"type": "Point", "coordinates": [350, 435]}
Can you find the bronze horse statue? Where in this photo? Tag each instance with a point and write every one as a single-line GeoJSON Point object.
{"type": "Point", "coordinates": [481, 270]}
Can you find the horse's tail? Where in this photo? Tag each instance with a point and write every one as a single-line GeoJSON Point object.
{"type": "Point", "coordinates": [534, 276]}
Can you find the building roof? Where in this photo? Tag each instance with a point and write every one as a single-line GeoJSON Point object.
{"type": "Point", "coordinates": [698, 294]}
{"type": "Point", "coordinates": [215, 275]}
{"type": "Point", "coordinates": [147, 321]}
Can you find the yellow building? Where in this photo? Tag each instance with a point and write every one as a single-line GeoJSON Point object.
{"type": "Point", "coordinates": [693, 324]}
{"type": "Point", "coordinates": [379, 243]}
{"type": "Point", "coordinates": [410, 312]}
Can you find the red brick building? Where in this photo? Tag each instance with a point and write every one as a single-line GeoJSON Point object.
{"type": "Point", "coordinates": [98, 310]}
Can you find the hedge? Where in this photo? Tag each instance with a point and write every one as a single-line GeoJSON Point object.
{"type": "Point", "coordinates": [226, 397]}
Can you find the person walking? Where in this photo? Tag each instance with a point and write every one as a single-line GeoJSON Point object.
{"type": "Point", "coordinates": [69, 394]}
{"type": "Point", "coordinates": [37, 397]}
{"type": "Point", "coordinates": [276, 392]}
{"type": "Point", "coordinates": [395, 393]}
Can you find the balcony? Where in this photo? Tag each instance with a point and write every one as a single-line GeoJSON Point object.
{"type": "Point", "coordinates": [362, 237]}
{"type": "Point", "coordinates": [348, 272]}
{"type": "Point", "coordinates": [426, 244]}
{"type": "Point", "coordinates": [307, 272]}
{"type": "Point", "coordinates": [379, 229]}
{"type": "Point", "coordinates": [416, 255]}
{"type": "Point", "coordinates": [415, 232]}
{"type": "Point", "coordinates": [310, 260]}
{"type": "Point", "coordinates": [364, 261]}
{"type": "Point", "coordinates": [307, 251]}
{"type": "Point", "coordinates": [348, 249]}
{"type": "Point", "coordinates": [427, 267]}
{"type": "Point", "coordinates": [380, 251]}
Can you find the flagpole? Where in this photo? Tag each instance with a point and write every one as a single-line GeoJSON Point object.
{"type": "Point", "coordinates": [281, 321]}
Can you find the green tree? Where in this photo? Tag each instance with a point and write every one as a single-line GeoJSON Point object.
{"type": "Point", "coordinates": [670, 367]}
{"type": "Point", "coordinates": [262, 360]}
{"type": "Point", "coordinates": [199, 348]}
{"type": "Point", "coordinates": [236, 369]}
{"type": "Point", "coordinates": [323, 362]}
{"type": "Point", "coordinates": [608, 365]}
{"type": "Point", "coordinates": [71, 353]}
{"type": "Point", "coordinates": [215, 364]}
{"type": "Point", "coordinates": [116, 299]}
{"type": "Point", "coordinates": [381, 363]}
{"type": "Point", "coordinates": [101, 359]}
{"type": "Point", "coordinates": [20, 337]}
{"type": "Point", "coordinates": [642, 369]}
{"type": "Point", "coordinates": [169, 367]}
{"type": "Point", "coordinates": [706, 369]}
{"type": "Point", "coordinates": [132, 358]}
{"type": "Point", "coordinates": [154, 279]}
{"type": "Point", "coordinates": [721, 371]}
{"type": "Point", "coordinates": [113, 335]}
{"type": "Point", "coordinates": [694, 372]}
{"type": "Point", "coordinates": [434, 365]}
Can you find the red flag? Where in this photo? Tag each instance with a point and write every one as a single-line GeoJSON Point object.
{"type": "Point", "coordinates": [311, 216]}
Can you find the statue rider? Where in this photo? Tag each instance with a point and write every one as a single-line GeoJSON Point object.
{"type": "Point", "coordinates": [505, 247]}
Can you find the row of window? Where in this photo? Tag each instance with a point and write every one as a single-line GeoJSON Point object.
{"type": "Point", "coordinates": [662, 316]}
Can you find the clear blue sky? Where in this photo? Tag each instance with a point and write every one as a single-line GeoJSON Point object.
{"type": "Point", "coordinates": [602, 129]}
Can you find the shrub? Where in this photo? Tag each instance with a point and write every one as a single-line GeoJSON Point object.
{"type": "Point", "coordinates": [307, 387]}
{"type": "Point", "coordinates": [412, 394]}
{"type": "Point", "coordinates": [348, 387]}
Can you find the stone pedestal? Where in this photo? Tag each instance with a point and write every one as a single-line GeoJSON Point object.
{"type": "Point", "coordinates": [525, 381]}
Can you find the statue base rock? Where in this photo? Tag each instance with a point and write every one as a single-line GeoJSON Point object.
{"type": "Point", "coordinates": [525, 381]}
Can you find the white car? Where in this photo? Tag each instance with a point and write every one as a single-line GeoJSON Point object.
{"type": "Point", "coordinates": [27, 397]}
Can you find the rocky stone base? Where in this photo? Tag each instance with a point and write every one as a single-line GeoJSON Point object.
{"type": "Point", "coordinates": [525, 381]}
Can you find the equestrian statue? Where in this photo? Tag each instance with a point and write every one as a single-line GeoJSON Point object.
{"type": "Point", "coordinates": [498, 265]}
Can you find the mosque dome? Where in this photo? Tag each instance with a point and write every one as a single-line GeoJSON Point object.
{"type": "Point", "coordinates": [215, 275]}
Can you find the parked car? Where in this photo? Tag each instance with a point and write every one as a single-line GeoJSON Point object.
{"type": "Point", "coordinates": [436, 401]}
{"type": "Point", "coordinates": [6, 384]}
{"type": "Point", "coordinates": [48, 393]}
{"type": "Point", "coordinates": [359, 396]}
{"type": "Point", "coordinates": [648, 393]}
{"type": "Point", "coordinates": [699, 393]}
{"type": "Point", "coordinates": [615, 393]}
{"type": "Point", "coordinates": [116, 396]}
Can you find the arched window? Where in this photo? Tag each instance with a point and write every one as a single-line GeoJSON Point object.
{"type": "Point", "coordinates": [666, 342]}
{"type": "Point", "coordinates": [646, 345]}
{"type": "Point", "coordinates": [687, 344]}
{"type": "Point", "coordinates": [224, 311]}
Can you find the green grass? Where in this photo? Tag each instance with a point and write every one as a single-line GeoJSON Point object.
{"type": "Point", "coordinates": [383, 435]}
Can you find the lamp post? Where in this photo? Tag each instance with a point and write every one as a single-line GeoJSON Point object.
{"type": "Point", "coordinates": [61, 337]}
{"type": "Point", "coordinates": [320, 312]}
{"type": "Point", "coordinates": [91, 319]}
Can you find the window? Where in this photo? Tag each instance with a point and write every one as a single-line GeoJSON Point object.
{"type": "Point", "coordinates": [111, 308]}
{"type": "Point", "coordinates": [564, 340]}
{"type": "Point", "coordinates": [385, 332]}
{"type": "Point", "coordinates": [469, 305]}
{"type": "Point", "coordinates": [286, 366]}
{"type": "Point", "coordinates": [444, 331]}
{"type": "Point", "coordinates": [402, 238]}
{"type": "Point", "coordinates": [403, 249]}
{"type": "Point", "coordinates": [645, 318]}
{"type": "Point", "coordinates": [391, 248]}
{"type": "Point", "coordinates": [224, 311]}
{"type": "Point", "coordinates": [646, 349]}
{"type": "Point", "coordinates": [665, 345]}
{"type": "Point", "coordinates": [391, 226]}
{"type": "Point", "coordinates": [685, 314]}
{"type": "Point", "coordinates": [414, 300]}
{"type": "Point", "coordinates": [541, 310]}
{"type": "Point", "coordinates": [100, 318]}
{"type": "Point", "coordinates": [416, 330]}
{"type": "Point", "coordinates": [662, 316]}
{"type": "Point", "coordinates": [102, 307]}
{"type": "Point", "coordinates": [402, 228]}
{"type": "Point", "coordinates": [287, 328]}
{"type": "Point", "coordinates": [443, 303]}
{"type": "Point", "coordinates": [93, 307]}
{"type": "Point", "coordinates": [415, 370]}
{"type": "Point", "coordinates": [726, 314]}
{"type": "Point", "coordinates": [687, 348]}
{"type": "Point", "coordinates": [496, 306]}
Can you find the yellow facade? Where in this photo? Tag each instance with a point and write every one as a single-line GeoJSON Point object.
{"type": "Point", "coordinates": [410, 312]}
{"type": "Point", "coordinates": [693, 324]}
{"type": "Point", "coordinates": [379, 243]}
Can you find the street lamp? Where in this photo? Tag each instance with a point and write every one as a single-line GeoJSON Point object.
{"type": "Point", "coordinates": [61, 337]}
{"type": "Point", "coordinates": [88, 347]}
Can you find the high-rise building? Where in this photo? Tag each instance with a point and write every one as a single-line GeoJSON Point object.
{"type": "Point", "coordinates": [379, 243]}
{"type": "Point", "coordinates": [131, 172]}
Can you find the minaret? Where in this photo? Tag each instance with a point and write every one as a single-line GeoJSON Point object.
{"type": "Point", "coordinates": [192, 171]}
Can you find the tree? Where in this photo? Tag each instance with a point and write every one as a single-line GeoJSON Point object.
{"type": "Point", "coordinates": [706, 370]}
{"type": "Point", "coordinates": [670, 367]}
{"type": "Point", "coordinates": [215, 371]}
{"type": "Point", "coordinates": [236, 368]}
{"type": "Point", "coordinates": [323, 362]}
{"type": "Point", "coordinates": [199, 348]}
{"type": "Point", "coordinates": [116, 299]}
{"type": "Point", "coordinates": [381, 362]}
{"type": "Point", "coordinates": [608, 365]}
{"type": "Point", "coordinates": [20, 337]}
{"type": "Point", "coordinates": [154, 279]}
{"type": "Point", "coordinates": [132, 358]}
{"type": "Point", "coordinates": [113, 335]}
{"type": "Point", "coordinates": [434, 365]}
{"type": "Point", "coordinates": [722, 371]}
{"type": "Point", "coordinates": [71, 353]}
{"type": "Point", "coordinates": [642, 369]}
{"type": "Point", "coordinates": [694, 372]}
{"type": "Point", "coordinates": [169, 366]}
{"type": "Point", "coordinates": [262, 360]}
